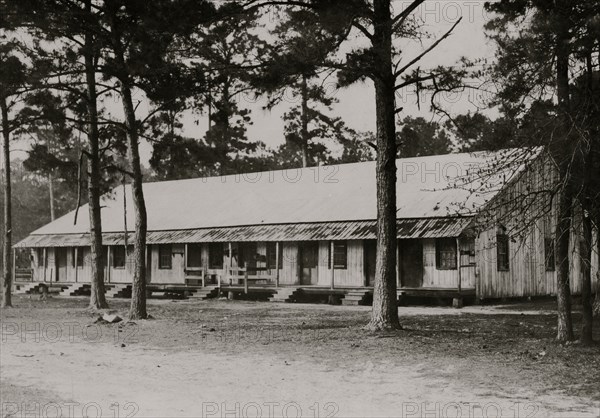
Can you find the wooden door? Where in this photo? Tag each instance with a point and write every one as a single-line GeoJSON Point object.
{"type": "Point", "coordinates": [61, 264]}
{"type": "Point", "coordinates": [411, 262]}
{"type": "Point", "coordinates": [309, 253]}
{"type": "Point", "coordinates": [370, 246]}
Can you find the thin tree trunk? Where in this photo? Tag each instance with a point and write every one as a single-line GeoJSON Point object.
{"type": "Point", "coordinates": [596, 309]}
{"type": "Point", "coordinates": [304, 117]}
{"type": "Point", "coordinates": [137, 309]}
{"type": "Point", "coordinates": [51, 192]}
{"type": "Point", "coordinates": [586, 285]}
{"type": "Point", "coordinates": [563, 154]}
{"type": "Point", "coordinates": [563, 290]}
{"type": "Point", "coordinates": [587, 244]}
{"type": "Point", "coordinates": [97, 295]}
{"type": "Point", "coordinates": [138, 293]}
{"type": "Point", "coordinates": [384, 313]}
{"type": "Point", "coordinates": [7, 248]}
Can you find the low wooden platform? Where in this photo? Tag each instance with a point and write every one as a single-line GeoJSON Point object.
{"type": "Point", "coordinates": [435, 292]}
{"type": "Point", "coordinates": [354, 295]}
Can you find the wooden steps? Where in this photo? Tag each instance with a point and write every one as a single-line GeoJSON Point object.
{"type": "Point", "coordinates": [356, 297]}
{"type": "Point", "coordinates": [28, 288]}
{"type": "Point", "coordinates": [284, 294]}
{"type": "Point", "coordinates": [75, 289]}
{"type": "Point", "coordinates": [119, 291]}
{"type": "Point", "coordinates": [207, 292]}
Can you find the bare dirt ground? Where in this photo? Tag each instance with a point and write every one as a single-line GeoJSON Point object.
{"type": "Point", "coordinates": [233, 358]}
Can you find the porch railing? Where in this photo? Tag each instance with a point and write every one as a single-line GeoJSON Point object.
{"type": "Point", "coordinates": [231, 276]}
{"type": "Point", "coordinates": [23, 275]}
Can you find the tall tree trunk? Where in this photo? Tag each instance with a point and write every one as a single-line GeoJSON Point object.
{"type": "Point", "coordinates": [51, 193]}
{"type": "Point", "coordinates": [137, 309]}
{"type": "Point", "coordinates": [563, 290]}
{"type": "Point", "coordinates": [385, 304]}
{"type": "Point", "coordinates": [596, 308]}
{"type": "Point", "coordinates": [304, 117]}
{"type": "Point", "coordinates": [97, 294]}
{"type": "Point", "coordinates": [138, 293]}
{"type": "Point", "coordinates": [588, 212]}
{"type": "Point", "coordinates": [7, 248]}
{"type": "Point", "coordinates": [564, 151]}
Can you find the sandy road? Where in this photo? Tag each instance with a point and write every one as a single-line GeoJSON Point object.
{"type": "Point", "coordinates": [105, 379]}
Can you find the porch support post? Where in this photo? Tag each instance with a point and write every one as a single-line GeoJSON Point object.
{"type": "Point", "coordinates": [277, 264]}
{"type": "Point", "coordinates": [230, 263]}
{"type": "Point", "coordinates": [364, 257]}
{"type": "Point", "coordinates": [457, 302]}
{"type": "Point", "coordinates": [14, 266]}
{"type": "Point", "coordinates": [398, 284]}
{"type": "Point", "coordinates": [458, 266]}
{"type": "Point", "coordinates": [332, 271]}
{"type": "Point", "coordinates": [185, 258]}
{"type": "Point", "coordinates": [109, 262]}
{"type": "Point", "coordinates": [246, 278]}
{"type": "Point", "coordinates": [75, 263]}
{"type": "Point", "coordinates": [45, 255]}
{"type": "Point", "coordinates": [55, 277]}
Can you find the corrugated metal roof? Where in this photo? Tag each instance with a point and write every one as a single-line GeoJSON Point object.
{"type": "Point", "coordinates": [407, 228]}
{"type": "Point", "coordinates": [427, 187]}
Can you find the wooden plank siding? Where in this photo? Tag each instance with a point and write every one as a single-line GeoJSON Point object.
{"type": "Point", "coordinates": [432, 277]}
{"type": "Point", "coordinates": [173, 275]}
{"type": "Point", "coordinates": [354, 273]}
{"type": "Point", "coordinates": [526, 274]}
{"type": "Point", "coordinates": [528, 229]}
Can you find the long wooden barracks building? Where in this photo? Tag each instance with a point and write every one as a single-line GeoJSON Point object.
{"type": "Point", "coordinates": [460, 231]}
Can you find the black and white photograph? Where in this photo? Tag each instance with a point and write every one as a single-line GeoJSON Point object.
{"type": "Point", "coordinates": [300, 208]}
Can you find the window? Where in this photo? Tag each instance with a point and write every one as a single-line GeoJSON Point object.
{"type": "Point", "coordinates": [118, 257]}
{"type": "Point", "coordinates": [445, 254]}
{"type": "Point", "coordinates": [77, 256]}
{"type": "Point", "coordinates": [340, 255]}
{"type": "Point", "coordinates": [194, 255]}
{"type": "Point", "coordinates": [165, 256]}
{"type": "Point", "coordinates": [40, 257]}
{"type": "Point", "coordinates": [502, 263]}
{"type": "Point", "coordinates": [215, 255]}
{"type": "Point", "coordinates": [272, 255]}
{"type": "Point", "coordinates": [549, 254]}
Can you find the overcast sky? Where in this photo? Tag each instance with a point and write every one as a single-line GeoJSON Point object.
{"type": "Point", "coordinates": [356, 104]}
